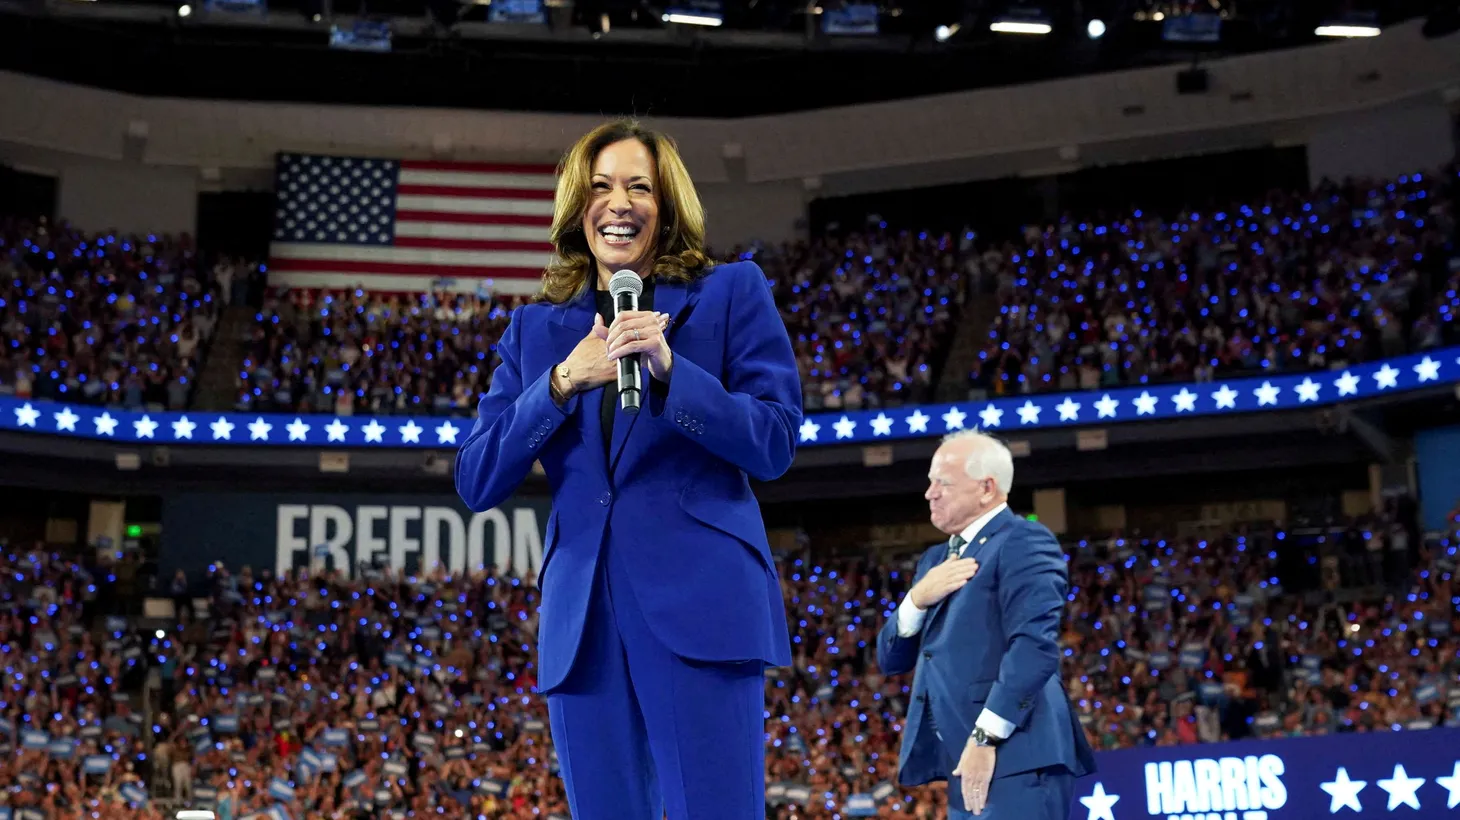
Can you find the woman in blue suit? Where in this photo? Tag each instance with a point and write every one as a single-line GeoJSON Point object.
{"type": "Point", "coordinates": [661, 605]}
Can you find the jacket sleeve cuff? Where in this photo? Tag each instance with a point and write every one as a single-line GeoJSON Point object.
{"type": "Point", "coordinates": [549, 415]}
{"type": "Point", "coordinates": [687, 382]}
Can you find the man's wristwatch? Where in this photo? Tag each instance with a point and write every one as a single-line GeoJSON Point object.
{"type": "Point", "coordinates": [982, 738]}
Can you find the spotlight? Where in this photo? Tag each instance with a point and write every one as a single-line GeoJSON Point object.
{"type": "Point", "coordinates": [1019, 27]}
{"type": "Point", "coordinates": [1096, 29]}
{"type": "Point", "coordinates": [692, 17]}
{"type": "Point", "coordinates": [1346, 31]}
{"type": "Point", "coordinates": [184, 10]}
{"type": "Point", "coordinates": [942, 33]}
{"type": "Point", "coordinates": [1021, 21]}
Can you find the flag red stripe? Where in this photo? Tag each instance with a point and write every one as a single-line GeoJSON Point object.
{"type": "Point", "coordinates": [407, 268]}
{"type": "Point", "coordinates": [473, 219]}
{"type": "Point", "coordinates": [472, 193]}
{"type": "Point", "coordinates": [472, 244]}
{"type": "Point", "coordinates": [322, 290]}
{"type": "Point", "coordinates": [477, 167]}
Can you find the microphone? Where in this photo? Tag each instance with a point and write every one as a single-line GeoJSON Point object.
{"type": "Point", "coordinates": [625, 287]}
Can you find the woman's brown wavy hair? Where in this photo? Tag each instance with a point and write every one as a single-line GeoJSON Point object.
{"type": "Point", "coordinates": [681, 242]}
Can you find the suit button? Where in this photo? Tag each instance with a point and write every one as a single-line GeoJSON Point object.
{"type": "Point", "coordinates": [920, 698]}
{"type": "Point", "coordinates": [927, 656]}
{"type": "Point", "coordinates": [605, 498]}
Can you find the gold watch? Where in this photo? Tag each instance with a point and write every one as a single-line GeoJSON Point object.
{"type": "Point", "coordinates": [562, 371]}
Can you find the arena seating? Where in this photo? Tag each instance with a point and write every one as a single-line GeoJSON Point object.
{"type": "Point", "coordinates": [431, 353]}
{"type": "Point", "coordinates": [1293, 282]}
{"type": "Point", "coordinates": [102, 319]}
{"type": "Point", "coordinates": [870, 314]}
{"type": "Point", "coordinates": [1167, 642]}
{"type": "Point", "coordinates": [1288, 282]}
{"type": "Point", "coordinates": [354, 352]}
{"type": "Point", "coordinates": [1346, 273]}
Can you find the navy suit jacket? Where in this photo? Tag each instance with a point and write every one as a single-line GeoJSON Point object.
{"type": "Point", "coordinates": [993, 643]}
{"type": "Point", "coordinates": [673, 497]}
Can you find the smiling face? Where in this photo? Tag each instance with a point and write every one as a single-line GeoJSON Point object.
{"type": "Point", "coordinates": [954, 499]}
{"type": "Point", "coordinates": [621, 221]}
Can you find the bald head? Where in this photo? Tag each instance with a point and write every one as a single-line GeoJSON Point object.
{"type": "Point", "coordinates": [971, 474]}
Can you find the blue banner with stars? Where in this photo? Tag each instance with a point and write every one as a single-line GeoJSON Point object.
{"type": "Point", "coordinates": [1006, 415]}
{"type": "Point", "coordinates": [1434, 368]}
{"type": "Point", "coordinates": [1411, 771]}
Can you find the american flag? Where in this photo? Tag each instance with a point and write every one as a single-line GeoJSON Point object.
{"type": "Point", "coordinates": [402, 226]}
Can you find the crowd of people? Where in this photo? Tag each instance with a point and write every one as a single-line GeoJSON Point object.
{"type": "Point", "coordinates": [358, 352]}
{"type": "Point", "coordinates": [1288, 282]}
{"type": "Point", "coordinates": [364, 693]}
{"type": "Point", "coordinates": [121, 321]}
{"type": "Point", "coordinates": [335, 696]}
{"type": "Point", "coordinates": [1291, 281]}
{"type": "Point", "coordinates": [1295, 281]}
{"type": "Point", "coordinates": [870, 314]}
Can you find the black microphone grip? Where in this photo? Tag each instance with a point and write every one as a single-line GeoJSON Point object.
{"type": "Point", "coordinates": [630, 389]}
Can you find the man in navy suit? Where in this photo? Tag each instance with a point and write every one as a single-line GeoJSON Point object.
{"type": "Point", "coordinates": [979, 630]}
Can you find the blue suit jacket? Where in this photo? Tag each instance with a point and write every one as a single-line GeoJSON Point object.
{"type": "Point", "coordinates": [673, 497]}
{"type": "Point", "coordinates": [994, 644]}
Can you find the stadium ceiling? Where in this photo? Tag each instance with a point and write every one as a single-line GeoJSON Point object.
{"type": "Point", "coordinates": [631, 56]}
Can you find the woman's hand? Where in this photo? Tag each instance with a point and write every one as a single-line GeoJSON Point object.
{"type": "Point", "coordinates": [640, 331]}
{"type": "Point", "coordinates": [588, 364]}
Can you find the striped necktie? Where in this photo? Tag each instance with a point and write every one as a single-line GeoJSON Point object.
{"type": "Point", "coordinates": [954, 545]}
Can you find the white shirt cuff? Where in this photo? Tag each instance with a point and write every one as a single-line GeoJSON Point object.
{"type": "Point", "coordinates": [909, 618]}
{"type": "Point", "coordinates": [994, 725]}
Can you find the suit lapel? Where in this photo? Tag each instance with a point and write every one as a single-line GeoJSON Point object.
{"type": "Point", "coordinates": [673, 298]}
{"type": "Point", "coordinates": [573, 319]}
{"type": "Point", "coordinates": [571, 322]}
{"type": "Point", "coordinates": [985, 535]}
{"type": "Point", "coordinates": [977, 547]}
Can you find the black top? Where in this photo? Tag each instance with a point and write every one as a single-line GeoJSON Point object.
{"type": "Point", "coordinates": [610, 391]}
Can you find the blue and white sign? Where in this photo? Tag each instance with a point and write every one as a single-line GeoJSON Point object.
{"type": "Point", "coordinates": [1376, 775]}
{"type": "Point", "coordinates": [1434, 368]}
{"type": "Point", "coordinates": [1262, 394]}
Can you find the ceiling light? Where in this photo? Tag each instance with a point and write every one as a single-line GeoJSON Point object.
{"type": "Point", "coordinates": [1347, 31]}
{"type": "Point", "coordinates": [1019, 27]}
{"type": "Point", "coordinates": [688, 19]}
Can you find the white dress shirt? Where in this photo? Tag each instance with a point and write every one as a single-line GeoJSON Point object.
{"type": "Point", "coordinates": [910, 622]}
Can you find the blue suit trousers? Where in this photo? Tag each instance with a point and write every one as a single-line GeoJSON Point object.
{"type": "Point", "coordinates": [640, 731]}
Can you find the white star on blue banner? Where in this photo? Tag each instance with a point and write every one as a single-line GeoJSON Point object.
{"type": "Point", "coordinates": [1272, 392]}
